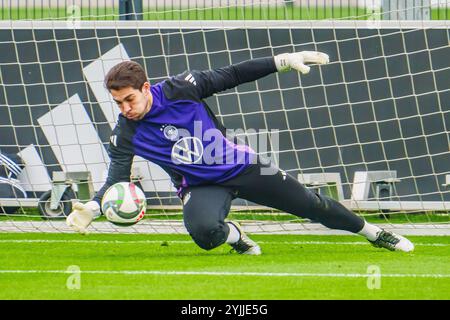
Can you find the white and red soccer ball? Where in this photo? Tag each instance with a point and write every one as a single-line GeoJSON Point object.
{"type": "Point", "coordinates": [124, 204]}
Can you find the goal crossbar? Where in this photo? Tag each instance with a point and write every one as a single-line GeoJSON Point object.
{"type": "Point", "coordinates": [228, 24]}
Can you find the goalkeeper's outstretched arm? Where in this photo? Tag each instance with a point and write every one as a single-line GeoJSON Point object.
{"type": "Point", "coordinates": [213, 81]}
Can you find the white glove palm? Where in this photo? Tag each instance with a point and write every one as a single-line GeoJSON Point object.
{"type": "Point", "coordinates": [298, 60]}
{"type": "Point", "coordinates": [82, 215]}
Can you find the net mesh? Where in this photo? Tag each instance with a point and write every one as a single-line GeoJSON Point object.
{"type": "Point", "coordinates": [370, 129]}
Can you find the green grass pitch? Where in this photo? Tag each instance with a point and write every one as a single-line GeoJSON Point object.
{"type": "Point", "coordinates": [121, 266]}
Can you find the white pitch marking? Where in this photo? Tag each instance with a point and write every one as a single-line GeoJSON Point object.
{"type": "Point", "coordinates": [190, 242]}
{"type": "Point", "coordinates": [214, 273]}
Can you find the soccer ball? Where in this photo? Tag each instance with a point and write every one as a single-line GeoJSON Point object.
{"type": "Point", "coordinates": [124, 204]}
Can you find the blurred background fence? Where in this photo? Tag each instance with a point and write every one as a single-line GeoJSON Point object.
{"type": "Point", "coordinates": [224, 9]}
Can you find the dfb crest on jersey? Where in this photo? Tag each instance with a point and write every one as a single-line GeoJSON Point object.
{"type": "Point", "coordinates": [170, 132]}
{"type": "Point", "coordinates": [187, 150]}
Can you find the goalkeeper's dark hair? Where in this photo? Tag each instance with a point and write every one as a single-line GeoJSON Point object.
{"type": "Point", "coordinates": [125, 74]}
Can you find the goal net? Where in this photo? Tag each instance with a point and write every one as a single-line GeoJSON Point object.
{"type": "Point", "coordinates": [370, 129]}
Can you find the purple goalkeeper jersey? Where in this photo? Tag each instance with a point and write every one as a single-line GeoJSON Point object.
{"type": "Point", "coordinates": [181, 134]}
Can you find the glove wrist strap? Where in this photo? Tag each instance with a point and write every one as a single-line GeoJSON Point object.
{"type": "Point", "coordinates": [281, 62]}
{"type": "Point", "coordinates": [94, 207]}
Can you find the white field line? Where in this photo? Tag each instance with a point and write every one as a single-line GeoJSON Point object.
{"type": "Point", "coordinates": [221, 273]}
{"type": "Point", "coordinates": [191, 242]}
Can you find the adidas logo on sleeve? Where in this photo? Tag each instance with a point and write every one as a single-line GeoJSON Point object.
{"type": "Point", "coordinates": [191, 79]}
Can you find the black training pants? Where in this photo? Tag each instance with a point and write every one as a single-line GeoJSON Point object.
{"type": "Point", "coordinates": [206, 207]}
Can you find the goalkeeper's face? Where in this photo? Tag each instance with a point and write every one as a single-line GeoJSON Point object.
{"type": "Point", "coordinates": [133, 103]}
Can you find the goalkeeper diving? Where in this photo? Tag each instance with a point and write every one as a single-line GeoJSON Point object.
{"type": "Point", "coordinates": [154, 123]}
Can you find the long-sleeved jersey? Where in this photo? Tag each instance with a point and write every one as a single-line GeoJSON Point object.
{"type": "Point", "coordinates": [181, 134]}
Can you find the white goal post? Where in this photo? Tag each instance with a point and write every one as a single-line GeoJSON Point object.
{"type": "Point", "coordinates": [382, 104]}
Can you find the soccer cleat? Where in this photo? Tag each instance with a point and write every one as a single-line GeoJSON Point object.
{"type": "Point", "coordinates": [245, 245]}
{"type": "Point", "coordinates": [392, 241]}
